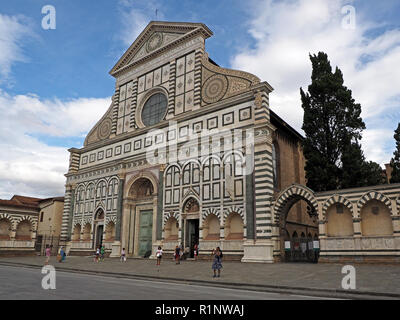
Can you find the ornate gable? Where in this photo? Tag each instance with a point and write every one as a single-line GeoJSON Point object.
{"type": "Point", "coordinates": [157, 37]}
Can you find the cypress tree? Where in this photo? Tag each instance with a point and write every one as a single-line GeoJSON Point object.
{"type": "Point", "coordinates": [332, 125]}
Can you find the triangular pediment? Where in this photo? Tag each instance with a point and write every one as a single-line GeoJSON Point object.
{"type": "Point", "coordinates": [156, 37]}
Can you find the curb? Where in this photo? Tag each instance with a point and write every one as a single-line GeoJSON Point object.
{"type": "Point", "coordinates": [317, 292]}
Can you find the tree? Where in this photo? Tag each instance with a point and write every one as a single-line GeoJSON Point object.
{"type": "Point", "coordinates": [395, 162]}
{"type": "Point", "coordinates": [357, 172]}
{"type": "Point", "coordinates": [373, 174]}
{"type": "Point", "coordinates": [332, 125]}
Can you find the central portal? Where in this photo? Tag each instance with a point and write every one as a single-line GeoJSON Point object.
{"type": "Point", "coordinates": [191, 214]}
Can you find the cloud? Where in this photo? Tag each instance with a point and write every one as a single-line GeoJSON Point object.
{"type": "Point", "coordinates": [13, 31]}
{"type": "Point", "coordinates": [135, 17]}
{"type": "Point", "coordinates": [286, 32]}
{"type": "Point", "coordinates": [28, 165]}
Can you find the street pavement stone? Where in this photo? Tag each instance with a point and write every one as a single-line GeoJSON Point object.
{"type": "Point", "coordinates": [369, 277]}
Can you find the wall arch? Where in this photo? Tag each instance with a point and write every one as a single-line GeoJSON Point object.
{"type": "Point", "coordinates": [337, 199]}
{"type": "Point", "coordinates": [339, 221]}
{"type": "Point", "coordinates": [24, 230]}
{"type": "Point", "coordinates": [376, 219]}
{"type": "Point", "coordinates": [234, 227]}
{"type": "Point", "coordinates": [5, 228]}
{"type": "Point", "coordinates": [290, 196]}
{"type": "Point", "coordinates": [373, 195]}
{"type": "Point", "coordinates": [146, 175]}
{"type": "Point", "coordinates": [171, 229]}
{"type": "Point", "coordinates": [211, 228]}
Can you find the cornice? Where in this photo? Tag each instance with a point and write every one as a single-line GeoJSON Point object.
{"type": "Point", "coordinates": [203, 31]}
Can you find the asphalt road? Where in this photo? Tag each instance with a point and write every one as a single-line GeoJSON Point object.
{"type": "Point", "coordinates": [19, 283]}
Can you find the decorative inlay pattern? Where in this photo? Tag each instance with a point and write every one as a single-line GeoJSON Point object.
{"type": "Point", "coordinates": [154, 42]}
{"type": "Point", "coordinates": [214, 88]}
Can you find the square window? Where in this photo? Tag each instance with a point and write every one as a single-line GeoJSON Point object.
{"type": "Point", "coordinates": [84, 160]}
{"type": "Point", "coordinates": [118, 150]}
{"type": "Point", "coordinates": [92, 157]}
{"type": "Point", "coordinates": [339, 208]}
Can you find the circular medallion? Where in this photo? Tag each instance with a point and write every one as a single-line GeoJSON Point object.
{"type": "Point", "coordinates": [214, 89]}
{"type": "Point", "coordinates": [104, 130]}
{"type": "Point", "coordinates": [154, 42]}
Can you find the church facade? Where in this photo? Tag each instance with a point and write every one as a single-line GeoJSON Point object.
{"type": "Point", "coordinates": [183, 155]}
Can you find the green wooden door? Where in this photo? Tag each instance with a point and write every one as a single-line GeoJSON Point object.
{"type": "Point", "coordinates": [145, 231]}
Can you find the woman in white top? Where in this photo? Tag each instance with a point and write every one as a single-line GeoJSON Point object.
{"type": "Point", "coordinates": [159, 255]}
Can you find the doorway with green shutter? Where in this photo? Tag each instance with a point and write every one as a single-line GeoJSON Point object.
{"type": "Point", "coordinates": [145, 232]}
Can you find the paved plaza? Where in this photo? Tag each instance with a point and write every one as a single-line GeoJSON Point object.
{"type": "Point", "coordinates": [371, 280]}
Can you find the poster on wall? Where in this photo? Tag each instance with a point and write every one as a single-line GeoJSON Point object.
{"type": "Point", "coordinates": [316, 245]}
{"type": "Point", "coordinates": [287, 245]}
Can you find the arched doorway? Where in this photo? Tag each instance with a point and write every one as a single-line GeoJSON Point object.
{"type": "Point", "coordinates": [191, 219]}
{"type": "Point", "coordinates": [297, 218]}
{"type": "Point", "coordinates": [98, 228]}
{"type": "Point", "coordinates": [140, 203]}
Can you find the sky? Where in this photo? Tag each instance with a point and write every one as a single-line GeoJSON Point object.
{"type": "Point", "coordinates": [55, 83]}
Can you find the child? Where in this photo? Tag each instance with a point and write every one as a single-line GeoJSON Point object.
{"type": "Point", "coordinates": [159, 255]}
{"type": "Point", "coordinates": [123, 255]}
{"type": "Point", "coordinates": [96, 259]}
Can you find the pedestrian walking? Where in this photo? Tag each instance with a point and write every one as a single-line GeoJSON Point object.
{"type": "Point", "coordinates": [159, 253]}
{"type": "Point", "coordinates": [217, 263]}
{"type": "Point", "coordinates": [177, 255]}
{"type": "Point", "coordinates": [102, 252]}
{"type": "Point", "coordinates": [63, 254]}
{"type": "Point", "coordinates": [48, 254]}
{"type": "Point", "coordinates": [60, 256]}
{"type": "Point", "coordinates": [123, 255]}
